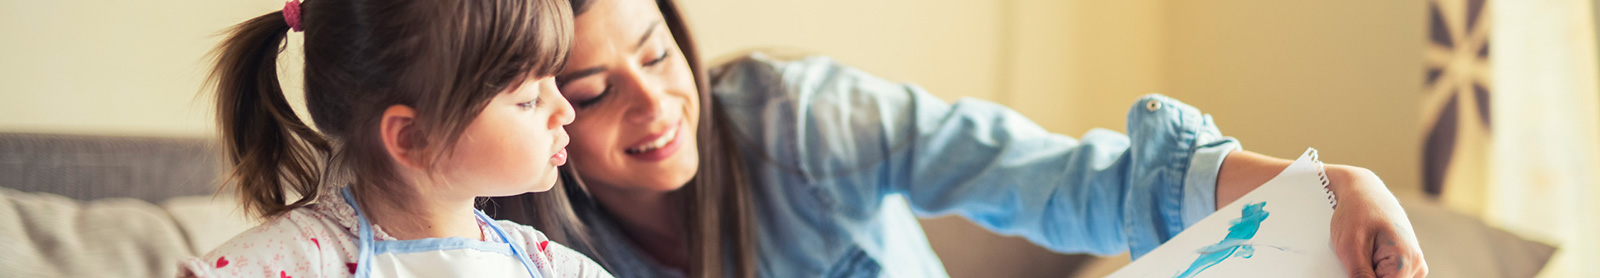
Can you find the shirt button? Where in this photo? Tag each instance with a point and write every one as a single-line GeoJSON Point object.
{"type": "Point", "coordinates": [1153, 105]}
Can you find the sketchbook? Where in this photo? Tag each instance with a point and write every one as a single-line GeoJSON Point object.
{"type": "Point", "coordinates": [1280, 229]}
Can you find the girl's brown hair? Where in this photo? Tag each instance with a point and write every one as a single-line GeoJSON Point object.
{"type": "Point", "coordinates": [721, 217]}
{"type": "Point", "coordinates": [444, 58]}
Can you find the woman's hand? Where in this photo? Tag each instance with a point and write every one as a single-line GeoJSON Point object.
{"type": "Point", "coordinates": [1371, 234]}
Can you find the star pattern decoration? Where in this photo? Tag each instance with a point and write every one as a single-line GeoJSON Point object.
{"type": "Point", "coordinates": [1458, 76]}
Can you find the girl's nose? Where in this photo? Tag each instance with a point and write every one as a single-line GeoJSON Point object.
{"type": "Point", "coordinates": [564, 113]}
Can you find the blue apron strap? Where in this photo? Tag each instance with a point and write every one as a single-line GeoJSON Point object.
{"type": "Point", "coordinates": [363, 266]}
{"type": "Point", "coordinates": [527, 263]}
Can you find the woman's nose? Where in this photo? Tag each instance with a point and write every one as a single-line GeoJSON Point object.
{"type": "Point", "coordinates": [651, 102]}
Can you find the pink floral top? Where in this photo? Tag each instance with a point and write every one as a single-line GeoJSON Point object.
{"type": "Point", "coordinates": [321, 240]}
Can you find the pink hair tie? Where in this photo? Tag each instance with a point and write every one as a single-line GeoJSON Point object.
{"type": "Point", "coordinates": [291, 15]}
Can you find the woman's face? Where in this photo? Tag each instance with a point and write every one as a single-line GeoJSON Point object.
{"type": "Point", "coordinates": [636, 100]}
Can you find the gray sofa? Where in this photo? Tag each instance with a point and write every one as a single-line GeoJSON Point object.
{"type": "Point", "coordinates": [99, 206]}
{"type": "Point", "coordinates": [108, 206]}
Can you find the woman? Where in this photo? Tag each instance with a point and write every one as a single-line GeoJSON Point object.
{"type": "Point", "coordinates": [769, 168]}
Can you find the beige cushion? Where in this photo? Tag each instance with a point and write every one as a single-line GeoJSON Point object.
{"type": "Point", "coordinates": [1457, 245]}
{"type": "Point", "coordinates": [47, 235]}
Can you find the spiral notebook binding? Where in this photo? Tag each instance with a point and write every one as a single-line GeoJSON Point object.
{"type": "Point", "coordinates": [1322, 175]}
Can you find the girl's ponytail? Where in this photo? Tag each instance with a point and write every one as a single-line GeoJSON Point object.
{"type": "Point", "coordinates": [446, 59]}
{"type": "Point", "coordinates": [272, 152]}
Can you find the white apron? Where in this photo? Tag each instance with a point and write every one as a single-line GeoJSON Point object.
{"type": "Point", "coordinates": [439, 257]}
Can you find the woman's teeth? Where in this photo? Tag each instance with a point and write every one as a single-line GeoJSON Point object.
{"type": "Point", "coordinates": [652, 145]}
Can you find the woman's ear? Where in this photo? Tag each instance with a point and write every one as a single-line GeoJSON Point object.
{"type": "Point", "coordinates": [398, 129]}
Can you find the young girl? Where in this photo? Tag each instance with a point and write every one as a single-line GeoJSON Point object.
{"type": "Point", "coordinates": [422, 106]}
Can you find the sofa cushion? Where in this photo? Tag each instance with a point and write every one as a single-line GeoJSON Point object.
{"type": "Point", "coordinates": [47, 235]}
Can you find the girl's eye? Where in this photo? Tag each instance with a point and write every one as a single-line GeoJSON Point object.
{"type": "Point", "coordinates": [658, 59]}
{"type": "Point", "coordinates": [531, 104]}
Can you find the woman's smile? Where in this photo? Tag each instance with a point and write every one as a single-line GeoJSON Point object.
{"type": "Point", "coordinates": [657, 147]}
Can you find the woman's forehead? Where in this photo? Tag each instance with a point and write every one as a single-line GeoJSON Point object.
{"type": "Point", "coordinates": [624, 15]}
{"type": "Point", "coordinates": [611, 27]}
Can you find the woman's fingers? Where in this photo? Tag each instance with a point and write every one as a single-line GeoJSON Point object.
{"type": "Point", "coordinates": [1398, 255]}
{"type": "Point", "coordinates": [1355, 252]}
{"type": "Point", "coordinates": [1386, 258]}
{"type": "Point", "coordinates": [1379, 250]}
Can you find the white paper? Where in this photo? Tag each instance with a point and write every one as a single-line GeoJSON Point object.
{"type": "Point", "coordinates": [1293, 211]}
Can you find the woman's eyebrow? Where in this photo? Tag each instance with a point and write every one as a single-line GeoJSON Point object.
{"type": "Point", "coordinates": [563, 79]}
{"type": "Point", "coordinates": [646, 36]}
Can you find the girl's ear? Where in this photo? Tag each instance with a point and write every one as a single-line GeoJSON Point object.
{"type": "Point", "coordinates": [400, 138]}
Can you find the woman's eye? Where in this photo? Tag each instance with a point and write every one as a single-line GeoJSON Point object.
{"type": "Point", "coordinates": [658, 59]}
{"type": "Point", "coordinates": [593, 100]}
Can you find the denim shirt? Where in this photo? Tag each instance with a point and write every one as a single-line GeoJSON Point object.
{"type": "Point", "coordinates": [842, 162]}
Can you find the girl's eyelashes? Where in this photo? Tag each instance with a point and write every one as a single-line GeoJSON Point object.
{"type": "Point", "coordinates": [529, 105]}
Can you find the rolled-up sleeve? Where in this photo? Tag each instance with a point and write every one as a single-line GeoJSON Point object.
{"type": "Point", "coordinates": [1176, 153]}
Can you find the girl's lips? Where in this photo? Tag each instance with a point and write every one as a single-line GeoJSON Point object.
{"type": "Point", "coordinates": [560, 158]}
{"type": "Point", "coordinates": [663, 152]}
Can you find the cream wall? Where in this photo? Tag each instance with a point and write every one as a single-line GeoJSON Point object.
{"type": "Point", "coordinates": [951, 47]}
{"type": "Point", "coordinates": [111, 67]}
{"type": "Point", "coordinates": [1077, 65]}
{"type": "Point", "coordinates": [1342, 76]}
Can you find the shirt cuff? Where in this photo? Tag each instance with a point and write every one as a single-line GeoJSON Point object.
{"type": "Point", "coordinates": [1177, 152]}
{"type": "Point", "coordinates": [1200, 183]}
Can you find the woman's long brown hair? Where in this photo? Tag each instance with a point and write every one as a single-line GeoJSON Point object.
{"type": "Point", "coordinates": [721, 217]}
{"type": "Point", "coordinates": [445, 59]}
